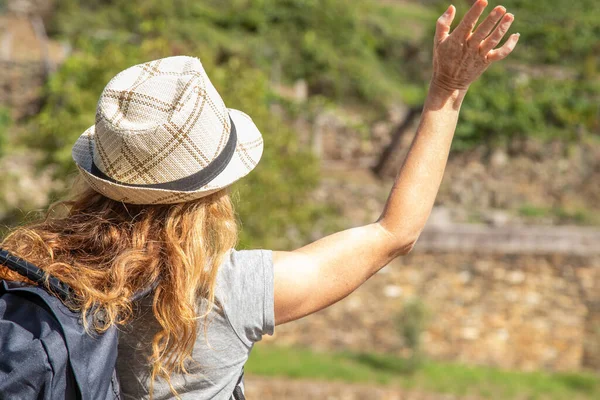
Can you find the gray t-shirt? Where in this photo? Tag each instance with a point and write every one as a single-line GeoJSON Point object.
{"type": "Point", "coordinates": [244, 312]}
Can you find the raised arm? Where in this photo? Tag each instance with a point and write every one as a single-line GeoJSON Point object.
{"type": "Point", "coordinates": [321, 273]}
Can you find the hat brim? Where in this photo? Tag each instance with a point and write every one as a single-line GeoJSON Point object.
{"type": "Point", "coordinates": [247, 154]}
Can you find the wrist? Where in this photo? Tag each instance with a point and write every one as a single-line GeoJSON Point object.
{"type": "Point", "coordinates": [440, 94]}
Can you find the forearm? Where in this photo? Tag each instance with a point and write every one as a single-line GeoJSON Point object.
{"type": "Point", "coordinates": [417, 183]}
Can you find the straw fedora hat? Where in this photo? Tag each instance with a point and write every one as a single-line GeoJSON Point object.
{"type": "Point", "coordinates": [163, 135]}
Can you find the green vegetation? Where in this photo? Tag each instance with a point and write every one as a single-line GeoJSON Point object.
{"type": "Point", "coordinates": [562, 215]}
{"type": "Point", "coordinates": [548, 88]}
{"type": "Point", "coordinates": [411, 324]}
{"type": "Point", "coordinates": [438, 377]}
{"type": "Point", "coordinates": [558, 32]}
{"type": "Point", "coordinates": [343, 50]}
{"type": "Point", "coordinates": [506, 104]}
{"type": "Point", "coordinates": [362, 52]}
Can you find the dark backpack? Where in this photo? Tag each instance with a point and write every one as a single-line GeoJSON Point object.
{"type": "Point", "coordinates": [45, 353]}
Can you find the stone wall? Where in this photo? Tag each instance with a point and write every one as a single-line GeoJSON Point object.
{"type": "Point", "coordinates": [513, 311]}
{"type": "Point", "coordinates": [518, 240]}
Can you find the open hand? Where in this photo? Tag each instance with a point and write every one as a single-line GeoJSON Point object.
{"type": "Point", "coordinates": [460, 57]}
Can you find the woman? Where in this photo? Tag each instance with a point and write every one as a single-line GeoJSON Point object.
{"type": "Point", "coordinates": [153, 212]}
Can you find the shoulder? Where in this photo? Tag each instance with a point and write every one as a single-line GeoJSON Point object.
{"type": "Point", "coordinates": [251, 257]}
{"type": "Point", "coordinates": [243, 266]}
{"type": "Point", "coordinates": [245, 292]}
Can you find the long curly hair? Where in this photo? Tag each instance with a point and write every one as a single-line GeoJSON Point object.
{"type": "Point", "coordinates": [107, 251]}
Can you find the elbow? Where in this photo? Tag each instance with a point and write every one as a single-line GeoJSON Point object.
{"type": "Point", "coordinates": [405, 246]}
{"type": "Point", "coordinates": [400, 243]}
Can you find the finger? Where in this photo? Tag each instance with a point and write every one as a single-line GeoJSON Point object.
{"type": "Point", "coordinates": [492, 41]}
{"type": "Point", "coordinates": [443, 24]}
{"type": "Point", "coordinates": [470, 19]}
{"type": "Point", "coordinates": [484, 29]}
{"type": "Point", "coordinates": [503, 52]}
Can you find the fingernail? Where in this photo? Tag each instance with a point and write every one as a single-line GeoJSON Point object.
{"type": "Point", "coordinates": [449, 10]}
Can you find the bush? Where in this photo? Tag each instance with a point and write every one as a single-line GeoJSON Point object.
{"type": "Point", "coordinates": [557, 32]}
{"type": "Point", "coordinates": [411, 323]}
{"type": "Point", "coordinates": [506, 104]}
{"type": "Point", "coordinates": [548, 88]}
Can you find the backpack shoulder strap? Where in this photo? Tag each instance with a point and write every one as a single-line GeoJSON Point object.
{"type": "Point", "coordinates": [33, 273]}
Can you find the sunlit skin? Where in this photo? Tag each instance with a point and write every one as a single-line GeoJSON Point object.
{"type": "Point", "coordinates": [317, 275]}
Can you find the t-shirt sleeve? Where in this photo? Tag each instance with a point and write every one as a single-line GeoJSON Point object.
{"type": "Point", "coordinates": [245, 290]}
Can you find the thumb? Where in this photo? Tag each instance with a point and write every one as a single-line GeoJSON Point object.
{"type": "Point", "coordinates": [443, 24]}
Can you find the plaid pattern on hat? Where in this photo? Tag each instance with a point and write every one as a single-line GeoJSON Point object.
{"type": "Point", "coordinates": [162, 123]}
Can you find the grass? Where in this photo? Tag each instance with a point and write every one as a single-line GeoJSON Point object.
{"type": "Point", "coordinates": [434, 377]}
{"type": "Point", "coordinates": [563, 215]}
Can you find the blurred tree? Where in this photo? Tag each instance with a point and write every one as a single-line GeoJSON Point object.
{"type": "Point", "coordinates": [411, 323]}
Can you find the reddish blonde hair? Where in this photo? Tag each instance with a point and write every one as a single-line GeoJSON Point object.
{"type": "Point", "coordinates": [107, 251]}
